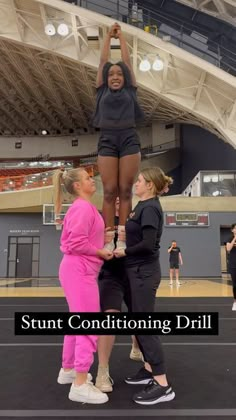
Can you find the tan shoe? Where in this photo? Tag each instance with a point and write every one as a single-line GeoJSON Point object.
{"type": "Point", "coordinates": [103, 380]}
{"type": "Point", "coordinates": [136, 355]}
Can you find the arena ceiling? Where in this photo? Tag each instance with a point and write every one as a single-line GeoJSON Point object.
{"type": "Point", "coordinates": [221, 9]}
{"type": "Point", "coordinates": [48, 83]}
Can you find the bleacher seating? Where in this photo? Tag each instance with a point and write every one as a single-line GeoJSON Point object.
{"type": "Point", "coordinates": [20, 172]}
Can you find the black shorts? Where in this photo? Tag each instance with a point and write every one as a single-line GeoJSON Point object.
{"type": "Point", "coordinates": [114, 289]}
{"type": "Point", "coordinates": [118, 142]}
{"type": "Point", "coordinates": [174, 265]}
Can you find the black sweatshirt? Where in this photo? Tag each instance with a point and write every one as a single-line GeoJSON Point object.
{"type": "Point", "coordinates": [143, 232]}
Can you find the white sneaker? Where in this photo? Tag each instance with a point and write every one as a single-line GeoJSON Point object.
{"type": "Point", "coordinates": [234, 306]}
{"type": "Point", "coordinates": [120, 244]}
{"type": "Point", "coordinates": [87, 393]}
{"type": "Point", "coordinates": [110, 246]}
{"type": "Point", "coordinates": [67, 377]}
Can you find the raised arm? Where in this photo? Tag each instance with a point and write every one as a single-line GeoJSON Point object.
{"type": "Point", "coordinates": [230, 245]}
{"type": "Point", "coordinates": [170, 249]}
{"type": "Point", "coordinates": [105, 54]}
{"type": "Point", "coordinates": [125, 55]}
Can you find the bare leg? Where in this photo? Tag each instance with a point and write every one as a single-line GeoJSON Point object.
{"type": "Point", "coordinates": [135, 343]}
{"type": "Point", "coordinates": [135, 353]}
{"type": "Point", "coordinates": [161, 379]}
{"type": "Point", "coordinates": [128, 169]}
{"type": "Point", "coordinates": [81, 378]}
{"type": "Point", "coordinates": [105, 345]}
{"type": "Point", "coordinates": [177, 276]}
{"type": "Point", "coordinates": [108, 169]}
{"type": "Point", "coordinates": [171, 275]}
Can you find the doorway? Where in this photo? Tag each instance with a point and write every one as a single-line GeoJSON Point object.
{"type": "Point", "coordinates": [23, 256]}
{"type": "Point", "coordinates": [224, 237]}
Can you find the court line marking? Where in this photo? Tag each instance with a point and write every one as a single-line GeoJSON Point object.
{"type": "Point", "coordinates": [159, 304]}
{"type": "Point", "coordinates": [118, 344]}
{"type": "Point", "coordinates": [39, 304]}
{"type": "Point", "coordinates": [121, 413]}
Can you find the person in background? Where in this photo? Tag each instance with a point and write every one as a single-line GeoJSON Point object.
{"type": "Point", "coordinates": [116, 114]}
{"type": "Point", "coordinates": [231, 249]}
{"type": "Point", "coordinates": [175, 258]}
{"type": "Point", "coordinates": [143, 234]}
{"type": "Point", "coordinates": [82, 243]}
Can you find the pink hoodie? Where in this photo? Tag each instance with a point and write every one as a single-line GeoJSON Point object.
{"type": "Point", "coordinates": [83, 232]}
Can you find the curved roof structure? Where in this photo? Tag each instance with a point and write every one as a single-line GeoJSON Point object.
{"type": "Point", "coordinates": [221, 9]}
{"type": "Point", "coordinates": [49, 82]}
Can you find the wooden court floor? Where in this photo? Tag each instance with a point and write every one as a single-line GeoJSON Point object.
{"type": "Point", "coordinates": [190, 287]}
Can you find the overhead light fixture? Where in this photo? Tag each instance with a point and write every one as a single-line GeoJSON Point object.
{"type": "Point", "coordinates": [50, 29]}
{"type": "Point", "coordinates": [216, 193]}
{"type": "Point", "coordinates": [147, 155]}
{"type": "Point", "coordinates": [63, 29]}
{"type": "Point", "coordinates": [158, 64]}
{"type": "Point", "coordinates": [144, 65]}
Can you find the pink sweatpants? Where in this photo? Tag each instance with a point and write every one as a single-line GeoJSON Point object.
{"type": "Point", "coordinates": [79, 282]}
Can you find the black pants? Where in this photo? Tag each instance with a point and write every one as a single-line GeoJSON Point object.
{"type": "Point", "coordinates": [233, 277]}
{"type": "Point", "coordinates": [144, 281]}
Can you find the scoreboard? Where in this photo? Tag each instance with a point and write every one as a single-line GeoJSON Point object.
{"type": "Point", "coordinates": [187, 219]}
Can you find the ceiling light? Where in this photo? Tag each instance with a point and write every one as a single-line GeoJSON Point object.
{"type": "Point", "coordinates": [145, 65]}
{"type": "Point", "coordinates": [216, 193]}
{"type": "Point", "coordinates": [158, 64]}
{"type": "Point", "coordinates": [50, 29]}
{"type": "Point", "coordinates": [63, 29]}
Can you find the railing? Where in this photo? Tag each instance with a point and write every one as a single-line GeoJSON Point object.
{"type": "Point", "coordinates": [47, 165]}
{"type": "Point", "coordinates": [150, 150]}
{"type": "Point", "coordinates": [39, 180]}
{"type": "Point", "coordinates": [25, 182]}
{"type": "Point", "coordinates": [184, 36]}
{"type": "Point", "coordinates": [212, 184]}
{"type": "Point", "coordinates": [44, 179]}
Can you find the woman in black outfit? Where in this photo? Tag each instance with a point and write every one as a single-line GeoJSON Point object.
{"type": "Point", "coordinates": [143, 234]}
{"type": "Point", "coordinates": [117, 113]}
{"type": "Point", "coordinates": [231, 249]}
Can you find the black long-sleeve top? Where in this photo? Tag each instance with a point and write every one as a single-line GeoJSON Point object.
{"type": "Point", "coordinates": [143, 232]}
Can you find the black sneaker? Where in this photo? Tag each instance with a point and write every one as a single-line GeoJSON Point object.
{"type": "Point", "coordinates": [141, 377]}
{"type": "Point", "coordinates": [154, 393]}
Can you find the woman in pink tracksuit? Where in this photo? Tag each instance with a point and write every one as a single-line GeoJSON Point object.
{"type": "Point", "coordinates": [82, 242]}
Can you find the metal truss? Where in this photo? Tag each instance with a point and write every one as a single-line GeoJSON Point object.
{"type": "Point", "coordinates": [221, 9]}
{"type": "Point", "coordinates": [49, 82]}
